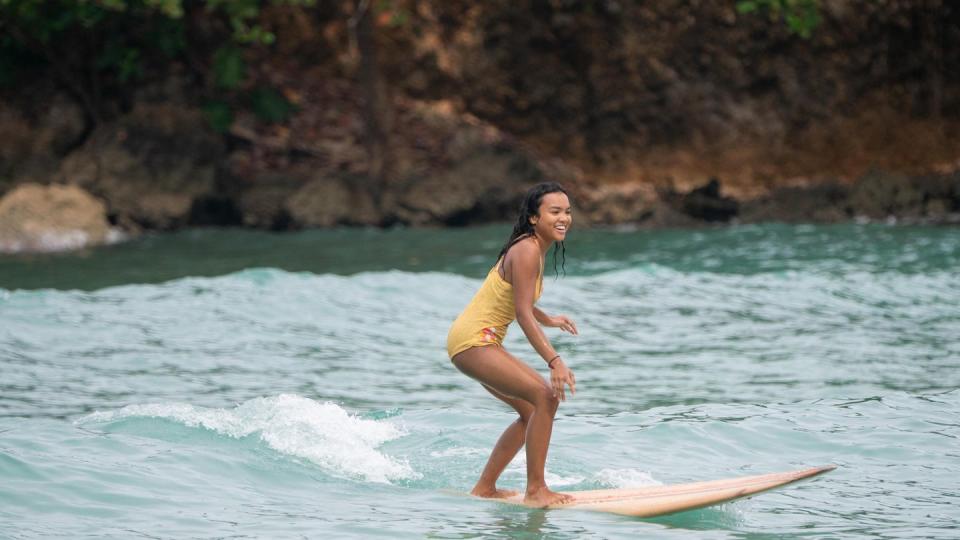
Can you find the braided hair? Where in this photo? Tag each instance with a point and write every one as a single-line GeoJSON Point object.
{"type": "Point", "coordinates": [530, 207]}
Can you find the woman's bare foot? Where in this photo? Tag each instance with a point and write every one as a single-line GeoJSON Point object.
{"type": "Point", "coordinates": [543, 497]}
{"type": "Point", "coordinates": [493, 493]}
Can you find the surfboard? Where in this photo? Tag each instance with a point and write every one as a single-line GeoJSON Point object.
{"type": "Point", "coordinates": [661, 500]}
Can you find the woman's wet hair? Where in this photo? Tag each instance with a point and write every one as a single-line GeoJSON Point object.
{"type": "Point", "coordinates": [530, 207]}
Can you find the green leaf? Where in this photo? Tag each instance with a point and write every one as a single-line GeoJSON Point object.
{"type": "Point", "coordinates": [170, 8]}
{"type": "Point", "coordinates": [228, 67]}
{"type": "Point", "coordinates": [270, 106]}
{"type": "Point", "coordinates": [399, 18]}
{"type": "Point", "coordinates": [219, 115]}
{"type": "Point", "coordinates": [130, 67]}
{"type": "Point", "coordinates": [169, 37]}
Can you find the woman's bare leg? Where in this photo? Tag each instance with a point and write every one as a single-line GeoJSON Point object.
{"type": "Point", "coordinates": [505, 450]}
{"type": "Point", "coordinates": [497, 369]}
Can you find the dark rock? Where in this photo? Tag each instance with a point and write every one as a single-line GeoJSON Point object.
{"type": "Point", "coordinates": [664, 214]}
{"type": "Point", "coordinates": [881, 195]}
{"type": "Point", "coordinates": [261, 201]}
{"type": "Point", "coordinates": [32, 147]}
{"type": "Point", "coordinates": [616, 204]}
{"type": "Point", "coordinates": [325, 202]}
{"type": "Point", "coordinates": [480, 176]}
{"type": "Point", "coordinates": [707, 204]}
{"type": "Point", "coordinates": [484, 186]}
{"type": "Point", "coordinates": [150, 165]}
{"type": "Point", "coordinates": [825, 202]}
{"type": "Point", "coordinates": [214, 210]}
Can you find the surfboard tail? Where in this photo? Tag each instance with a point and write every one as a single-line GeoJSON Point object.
{"type": "Point", "coordinates": [668, 499]}
{"type": "Point", "coordinates": [660, 500]}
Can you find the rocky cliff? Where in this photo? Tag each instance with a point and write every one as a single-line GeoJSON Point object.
{"type": "Point", "coordinates": [658, 113]}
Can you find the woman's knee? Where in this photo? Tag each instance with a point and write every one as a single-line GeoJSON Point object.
{"type": "Point", "coordinates": [547, 399]}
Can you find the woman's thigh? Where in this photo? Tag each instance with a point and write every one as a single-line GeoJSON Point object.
{"type": "Point", "coordinates": [503, 373]}
{"type": "Point", "coordinates": [523, 407]}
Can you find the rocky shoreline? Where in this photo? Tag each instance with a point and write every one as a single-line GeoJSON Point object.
{"type": "Point", "coordinates": [160, 168]}
{"type": "Point", "coordinates": [665, 115]}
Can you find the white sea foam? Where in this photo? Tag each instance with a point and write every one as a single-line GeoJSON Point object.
{"type": "Point", "coordinates": [459, 451]}
{"type": "Point", "coordinates": [626, 478]}
{"type": "Point", "coordinates": [518, 467]}
{"type": "Point", "coordinates": [323, 433]}
{"type": "Point", "coordinates": [557, 480]}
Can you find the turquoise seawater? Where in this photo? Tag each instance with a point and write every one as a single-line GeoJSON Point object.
{"type": "Point", "coordinates": [213, 384]}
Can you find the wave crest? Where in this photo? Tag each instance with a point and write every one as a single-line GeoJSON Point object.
{"type": "Point", "coordinates": [323, 433]}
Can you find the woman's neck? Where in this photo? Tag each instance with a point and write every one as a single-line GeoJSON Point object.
{"type": "Point", "coordinates": [542, 243]}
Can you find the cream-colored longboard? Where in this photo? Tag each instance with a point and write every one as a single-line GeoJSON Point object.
{"type": "Point", "coordinates": [660, 500]}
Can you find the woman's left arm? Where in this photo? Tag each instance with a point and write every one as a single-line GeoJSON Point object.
{"type": "Point", "coordinates": [560, 321]}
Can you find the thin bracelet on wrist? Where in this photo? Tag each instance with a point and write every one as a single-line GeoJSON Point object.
{"type": "Point", "coordinates": [550, 362]}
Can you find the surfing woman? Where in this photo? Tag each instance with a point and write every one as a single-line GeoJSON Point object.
{"type": "Point", "coordinates": [475, 341]}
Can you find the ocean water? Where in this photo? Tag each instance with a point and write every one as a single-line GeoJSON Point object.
{"type": "Point", "coordinates": [213, 384]}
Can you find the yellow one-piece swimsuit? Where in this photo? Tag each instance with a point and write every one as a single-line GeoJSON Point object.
{"type": "Point", "coordinates": [485, 319]}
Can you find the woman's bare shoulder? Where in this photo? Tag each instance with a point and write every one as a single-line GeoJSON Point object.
{"type": "Point", "coordinates": [525, 252]}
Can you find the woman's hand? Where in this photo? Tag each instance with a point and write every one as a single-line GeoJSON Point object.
{"type": "Point", "coordinates": [564, 323]}
{"type": "Point", "coordinates": [561, 376]}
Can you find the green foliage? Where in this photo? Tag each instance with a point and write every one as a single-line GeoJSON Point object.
{"type": "Point", "coordinates": [270, 106]}
{"type": "Point", "coordinates": [399, 16]}
{"type": "Point", "coordinates": [219, 115]}
{"type": "Point", "coordinates": [169, 37]}
{"type": "Point", "coordinates": [228, 67]}
{"type": "Point", "coordinates": [800, 16]}
{"type": "Point", "coordinates": [120, 58]}
{"type": "Point", "coordinates": [99, 46]}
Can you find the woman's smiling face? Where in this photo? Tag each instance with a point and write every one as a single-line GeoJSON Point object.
{"type": "Point", "coordinates": [554, 217]}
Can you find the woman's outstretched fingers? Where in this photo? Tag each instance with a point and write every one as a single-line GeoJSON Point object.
{"type": "Point", "coordinates": [567, 325]}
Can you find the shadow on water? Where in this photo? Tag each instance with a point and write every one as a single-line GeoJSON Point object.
{"type": "Point", "coordinates": [717, 517]}
{"type": "Point", "coordinates": [516, 522]}
{"type": "Point", "coordinates": [504, 521]}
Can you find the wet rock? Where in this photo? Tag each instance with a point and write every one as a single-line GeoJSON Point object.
{"type": "Point", "coordinates": [925, 198]}
{"type": "Point", "coordinates": [700, 205]}
{"type": "Point", "coordinates": [879, 194]}
{"type": "Point", "coordinates": [617, 204]}
{"type": "Point", "coordinates": [941, 197]}
{"type": "Point", "coordinates": [150, 165]}
{"type": "Point", "coordinates": [824, 202]}
{"type": "Point", "coordinates": [479, 176]}
{"type": "Point", "coordinates": [261, 201]}
{"type": "Point", "coordinates": [36, 218]}
{"type": "Point", "coordinates": [665, 215]}
{"type": "Point", "coordinates": [485, 186]}
{"type": "Point", "coordinates": [707, 204]}
{"type": "Point", "coordinates": [34, 143]}
{"type": "Point", "coordinates": [326, 202]}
